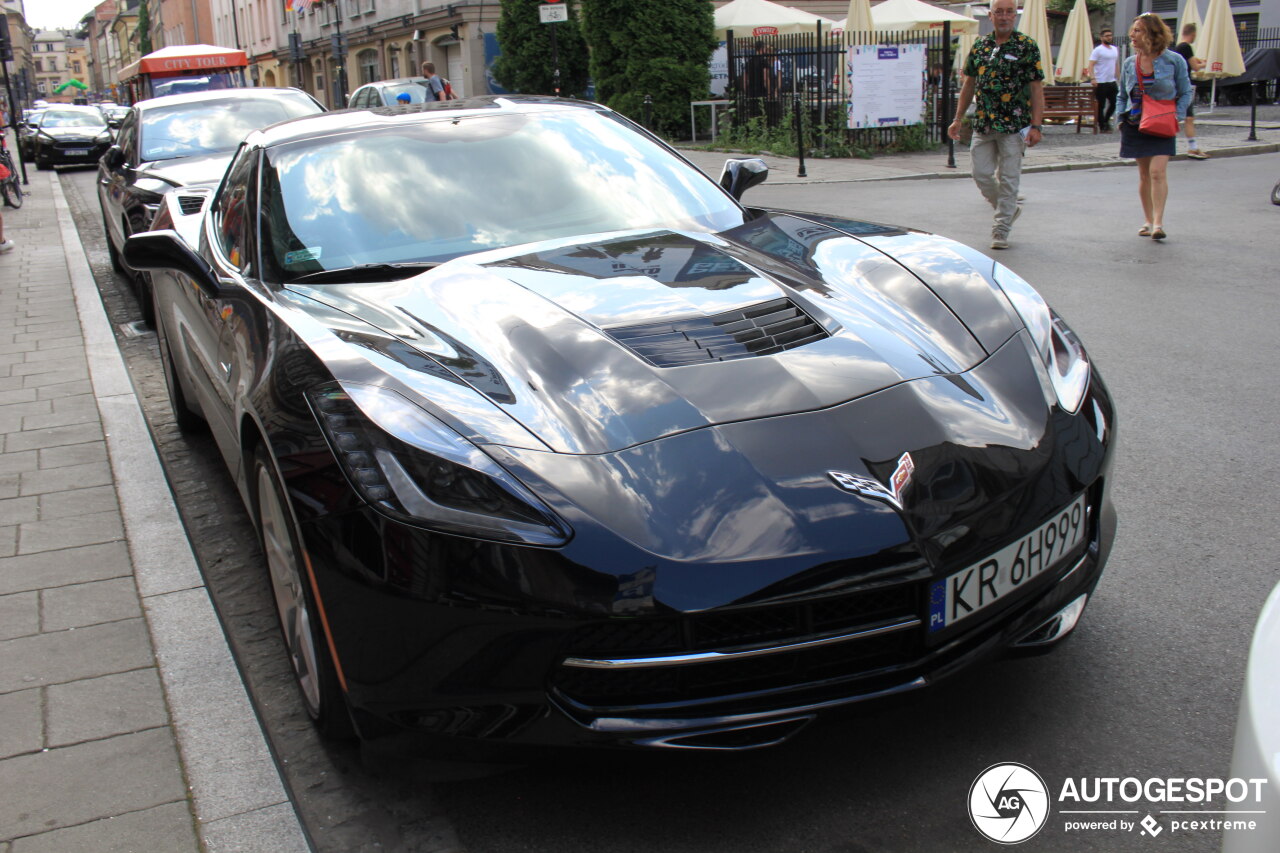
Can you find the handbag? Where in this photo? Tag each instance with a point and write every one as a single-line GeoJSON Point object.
{"type": "Point", "coordinates": [1159, 118]}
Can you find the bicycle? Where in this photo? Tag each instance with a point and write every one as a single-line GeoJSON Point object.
{"type": "Point", "coordinates": [10, 187]}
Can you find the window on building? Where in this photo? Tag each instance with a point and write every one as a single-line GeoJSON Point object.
{"type": "Point", "coordinates": [1159, 6]}
{"type": "Point", "coordinates": [367, 62]}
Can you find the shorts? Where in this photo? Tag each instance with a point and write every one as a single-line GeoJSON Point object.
{"type": "Point", "coordinates": [1191, 110]}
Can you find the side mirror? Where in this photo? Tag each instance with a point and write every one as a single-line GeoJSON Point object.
{"type": "Point", "coordinates": [741, 175]}
{"type": "Point", "coordinates": [165, 250]}
{"type": "Point", "coordinates": [114, 157]}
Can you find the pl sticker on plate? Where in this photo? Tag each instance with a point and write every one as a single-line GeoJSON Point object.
{"type": "Point", "coordinates": [291, 258]}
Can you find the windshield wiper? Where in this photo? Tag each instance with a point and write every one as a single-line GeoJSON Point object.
{"type": "Point", "coordinates": [364, 272]}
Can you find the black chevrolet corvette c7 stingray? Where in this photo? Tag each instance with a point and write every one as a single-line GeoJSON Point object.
{"type": "Point", "coordinates": [550, 440]}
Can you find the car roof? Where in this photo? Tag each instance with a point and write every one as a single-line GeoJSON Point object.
{"type": "Point", "coordinates": [255, 93]}
{"type": "Point", "coordinates": [398, 81]}
{"type": "Point", "coordinates": [344, 121]}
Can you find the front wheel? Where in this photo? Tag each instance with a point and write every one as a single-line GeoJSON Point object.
{"type": "Point", "coordinates": [12, 191]}
{"type": "Point", "coordinates": [313, 667]}
{"type": "Point", "coordinates": [1275, 193]}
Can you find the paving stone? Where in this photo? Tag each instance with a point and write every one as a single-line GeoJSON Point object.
{"type": "Point", "coordinates": [166, 828]}
{"type": "Point", "coordinates": [55, 377]}
{"type": "Point", "coordinates": [35, 536]}
{"type": "Point", "coordinates": [71, 454]}
{"type": "Point", "coordinates": [89, 781]}
{"type": "Point", "coordinates": [69, 655]}
{"type": "Point", "coordinates": [64, 568]}
{"type": "Point", "coordinates": [8, 541]}
{"type": "Point", "coordinates": [63, 389]}
{"type": "Point", "coordinates": [18, 510]}
{"type": "Point", "coordinates": [65, 479]}
{"type": "Point", "coordinates": [47, 365]}
{"type": "Point", "coordinates": [96, 708]}
{"type": "Point", "coordinates": [16, 612]}
{"type": "Point", "coordinates": [75, 503]}
{"type": "Point", "coordinates": [87, 604]}
{"type": "Point", "coordinates": [23, 729]}
{"type": "Point", "coordinates": [9, 484]}
{"type": "Point", "coordinates": [20, 395]}
{"type": "Point", "coordinates": [66, 410]}
{"type": "Point", "coordinates": [23, 460]}
{"type": "Point", "coordinates": [55, 437]}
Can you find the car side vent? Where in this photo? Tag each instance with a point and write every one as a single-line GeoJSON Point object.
{"type": "Point", "coordinates": [763, 329]}
{"type": "Point", "coordinates": [190, 204]}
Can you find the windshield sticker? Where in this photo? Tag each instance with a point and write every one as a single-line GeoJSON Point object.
{"type": "Point", "coordinates": [301, 255]}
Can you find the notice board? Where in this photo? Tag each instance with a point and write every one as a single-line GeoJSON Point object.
{"type": "Point", "coordinates": [886, 84]}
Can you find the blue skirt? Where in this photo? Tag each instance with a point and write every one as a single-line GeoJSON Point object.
{"type": "Point", "coordinates": [1134, 143]}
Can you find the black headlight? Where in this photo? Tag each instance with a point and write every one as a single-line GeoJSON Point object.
{"type": "Point", "coordinates": [409, 465]}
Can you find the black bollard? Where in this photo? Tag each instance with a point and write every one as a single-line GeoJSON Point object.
{"type": "Point", "coordinates": [648, 112]}
{"type": "Point", "coordinates": [799, 122]}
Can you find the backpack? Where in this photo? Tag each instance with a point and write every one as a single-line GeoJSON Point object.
{"type": "Point", "coordinates": [448, 90]}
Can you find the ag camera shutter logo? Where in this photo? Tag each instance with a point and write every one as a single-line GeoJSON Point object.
{"type": "Point", "coordinates": [1008, 803]}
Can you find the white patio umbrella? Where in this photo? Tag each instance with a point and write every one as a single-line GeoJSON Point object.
{"type": "Point", "coordinates": [1219, 46]}
{"type": "Point", "coordinates": [859, 24]}
{"type": "Point", "coordinates": [1035, 23]}
{"type": "Point", "coordinates": [1077, 44]}
{"type": "Point", "coordinates": [899, 15]}
{"type": "Point", "coordinates": [744, 16]}
{"type": "Point", "coordinates": [1190, 15]}
{"type": "Point", "coordinates": [964, 44]}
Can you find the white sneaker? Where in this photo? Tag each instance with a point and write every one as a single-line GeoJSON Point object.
{"type": "Point", "coordinates": [999, 241]}
{"type": "Point", "coordinates": [7, 246]}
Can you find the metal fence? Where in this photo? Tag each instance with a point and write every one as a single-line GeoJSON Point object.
{"type": "Point", "coordinates": [773, 77]}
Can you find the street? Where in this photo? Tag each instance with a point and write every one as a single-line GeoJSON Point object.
{"type": "Point", "coordinates": [1183, 331]}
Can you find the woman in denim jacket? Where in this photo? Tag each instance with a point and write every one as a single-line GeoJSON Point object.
{"type": "Point", "coordinates": [1164, 77]}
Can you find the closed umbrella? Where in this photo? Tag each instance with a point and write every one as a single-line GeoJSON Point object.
{"type": "Point", "coordinates": [1190, 15]}
{"type": "Point", "coordinates": [858, 24]}
{"type": "Point", "coordinates": [1077, 45]}
{"type": "Point", "coordinates": [964, 44]}
{"type": "Point", "coordinates": [1219, 46]}
{"type": "Point", "coordinates": [1035, 23]}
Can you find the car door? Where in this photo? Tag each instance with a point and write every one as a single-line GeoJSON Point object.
{"type": "Point", "coordinates": [213, 365]}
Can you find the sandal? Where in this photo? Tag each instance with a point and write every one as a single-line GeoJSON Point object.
{"type": "Point", "coordinates": [1144, 231]}
{"type": "Point", "coordinates": [1158, 233]}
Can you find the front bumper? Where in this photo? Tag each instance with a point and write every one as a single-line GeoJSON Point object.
{"type": "Point", "coordinates": [65, 153]}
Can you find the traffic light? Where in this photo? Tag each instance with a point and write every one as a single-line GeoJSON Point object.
{"type": "Point", "coordinates": [295, 47]}
{"type": "Point", "coordinates": [453, 30]}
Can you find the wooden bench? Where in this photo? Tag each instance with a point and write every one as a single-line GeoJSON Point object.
{"type": "Point", "coordinates": [1071, 102]}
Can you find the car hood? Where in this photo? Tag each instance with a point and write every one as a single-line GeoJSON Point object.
{"type": "Point", "coordinates": [206, 170]}
{"type": "Point", "coordinates": [89, 133]}
{"type": "Point", "coordinates": [607, 342]}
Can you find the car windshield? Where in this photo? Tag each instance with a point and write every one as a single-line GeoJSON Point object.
{"type": "Point", "coordinates": [214, 126]}
{"type": "Point", "coordinates": [417, 93]}
{"type": "Point", "coordinates": [67, 118]}
{"type": "Point", "coordinates": [434, 190]}
{"type": "Point", "coordinates": [183, 85]}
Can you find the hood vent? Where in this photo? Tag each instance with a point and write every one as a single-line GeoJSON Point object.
{"type": "Point", "coordinates": [763, 329]}
{"type": "Point", "coordinates": [190, 204]}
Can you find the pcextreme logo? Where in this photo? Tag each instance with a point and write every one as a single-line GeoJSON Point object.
{"type": "Point", "coordinates": [1009, 803]}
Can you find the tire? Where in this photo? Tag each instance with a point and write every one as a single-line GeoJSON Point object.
{"type": "Point", "coordinates": [186, 419]}
{"type": "Point", "coordinates": [1275, 193]}
{"type": "Point", "coordinates": [41, 165]}
{"type": "Point", "coordinates": [305, 644]}
{"type": "Point", "coordinates": [12, 191]}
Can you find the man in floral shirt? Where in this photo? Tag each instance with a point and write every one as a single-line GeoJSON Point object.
{"type": "Point", "coordinates": [1004, 70]}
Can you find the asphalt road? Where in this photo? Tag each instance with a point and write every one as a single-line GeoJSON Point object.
{"type": "Point", "coordinates": [1185, 334]}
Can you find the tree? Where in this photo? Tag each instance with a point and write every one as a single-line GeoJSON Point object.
{"type": "Point", "coordinates": [144, 29]}
{"type": "Point", "coordinates": [526, 65]}
{"type": "Point", "coordinates": [651, 47]}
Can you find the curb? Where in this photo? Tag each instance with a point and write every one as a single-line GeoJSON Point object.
{"type": "Point", "coordinates": [239, 799]}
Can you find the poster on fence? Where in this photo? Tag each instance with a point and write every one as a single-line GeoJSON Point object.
{"type": "Point", "coordinates": [886, 84]}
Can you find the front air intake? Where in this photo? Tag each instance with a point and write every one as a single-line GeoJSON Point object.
{"type": "Point", "coordinates": [190, 204]}
{"type": "Point", "coordinates": [764, 329]}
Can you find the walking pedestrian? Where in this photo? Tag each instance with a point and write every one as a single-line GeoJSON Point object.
{"type": "Point", "coordinates": [1104, 70]}
{"type": "Point", "coordinates": [1162, 74]}
{"type": "Point", "coordinates": [1004, 72]}
{"type": "Point", "coordinates": [1194, 63]}
{"type": "Point", "coordinates": [434, 84]}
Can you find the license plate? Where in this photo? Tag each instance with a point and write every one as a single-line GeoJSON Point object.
{"type": "Point", "coordinates": [1008, 570]}
{"type": "Point", "coordinates": [77, 152]}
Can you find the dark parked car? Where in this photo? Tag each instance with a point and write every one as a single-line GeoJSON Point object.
{"type": "Point", "coordinates": [550, 440]}
{"type": "Point", "coordinates": [179, 141]}
{"type": "Point", "coordinates": [114, 115]}
{"type": "Point", "coordinates": [386, 93]}
{"type": "Point", "coordinates": [67, 135]}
